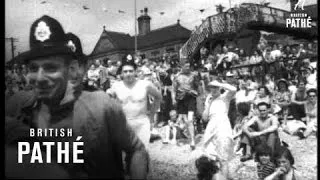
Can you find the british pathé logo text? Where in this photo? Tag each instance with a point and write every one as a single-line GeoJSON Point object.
{"type": "Point", "coordinates": [298, 20]}
{"type": "Point", "coordinates": [61, 148]}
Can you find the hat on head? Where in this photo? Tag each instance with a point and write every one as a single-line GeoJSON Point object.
{"type": "Point", "coordinates": [74, 43]}
{"type": "Point", "coordinates": [284, 81]}
{"type": "Point", "coordinates": [311, 90]}
{"type": "Point", "coordinates": [127, 61]}
{"type": "Point", "coordinates": [214, 83]}
{"type": "Point", "coordinates": [47, 37]}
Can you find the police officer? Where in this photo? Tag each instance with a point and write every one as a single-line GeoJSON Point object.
{"type": "Point", "coordinates": [55, 102]}
{"type": "Point", "coordinates": [80, 65]}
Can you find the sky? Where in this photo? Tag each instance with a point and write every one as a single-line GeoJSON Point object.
{"type": "Point", "coordinates": [116, 15]}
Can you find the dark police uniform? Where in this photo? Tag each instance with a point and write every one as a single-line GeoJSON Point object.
{"type": "Point", "coordinates": [94, 116]}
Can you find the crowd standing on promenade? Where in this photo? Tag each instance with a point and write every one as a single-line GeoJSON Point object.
{"type": "Point", "coordinates": [238, 101]}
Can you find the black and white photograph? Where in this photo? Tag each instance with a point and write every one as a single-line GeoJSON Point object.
{"type": "Point", "coordinates": [161, 89]}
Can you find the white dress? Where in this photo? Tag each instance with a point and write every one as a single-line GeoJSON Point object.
{"type": "Point", "coordinates": [217, 137]}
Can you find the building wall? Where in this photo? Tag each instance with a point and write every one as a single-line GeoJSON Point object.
{"type": "Point", "coordinates": [116, 56]}
{"type": "Point", "coordinates": [171, 50]}
{"type": "Point", "coordinates": [156, 53]}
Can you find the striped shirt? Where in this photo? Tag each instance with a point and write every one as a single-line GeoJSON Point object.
{"type": "Point", "coordinates": [265, 170]}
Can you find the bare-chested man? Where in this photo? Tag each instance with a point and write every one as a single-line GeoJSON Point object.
{"type": "Point", "coordinates": [261, 129]}
{"type": "Point", "coordinates": [133, 94]}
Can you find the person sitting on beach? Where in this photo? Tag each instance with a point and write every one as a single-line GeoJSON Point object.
{"type": "Point", "coordinates": [174, 129]}
{"type": "Point", "coordinates": [285, 169]}
{"type": "Point", "coordinates": [311, 115]}
{"type": "Point", "coordinates": [262, 128]}
{"type": "Point", "coordinates": [282, 97]}
{"type": "Point", "coordinates": [263, 157]}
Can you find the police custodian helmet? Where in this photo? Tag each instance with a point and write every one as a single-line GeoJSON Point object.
{"type": "Point", "coordinates": [47, 38]}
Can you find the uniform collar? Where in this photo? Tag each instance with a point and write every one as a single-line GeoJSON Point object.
{"type": "Point", "coordinates": [71, 93]}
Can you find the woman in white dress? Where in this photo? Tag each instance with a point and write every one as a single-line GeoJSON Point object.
{"type": "Point", "coordinates": [217, 140]}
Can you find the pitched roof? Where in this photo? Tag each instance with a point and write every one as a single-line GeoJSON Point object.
{"type": "Point", "coordinates": [110, 41]}
{"type": "Point", "coordinates": [113, 41]}
{"type": "Point", "coordinates": [120, 40]}
{"type": "Point", "coordinates": [163, 35]}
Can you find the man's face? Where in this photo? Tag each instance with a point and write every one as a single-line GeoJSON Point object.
{"type": "Point", "coordinates": [230, 79]}
{"type": "Point", "coordinates": [76, 72]}
{"type": "Point", "coordinates": [128, 73]}
{"type": "Point", "coordinates": [263, 110]}
{"type": "Point", "coordinates": [214, 90]}
{"type": "Point", "coordinates": [49, 77]}
{"type": "Point", "coordinates": [312, 96]}
{"type": "Point", "coordinates": [262, 92]}
{"type": "Point", "coordinates": [282, 86]}
{"type": "Point", "coordinates": [306, 73]}
{"type": "Point", "coordinates": [97, 62]}
{"type": "Point", "coordinates": [301, 46]}
{"type": "Point", "coordinates": [173, 116]}
{"type": "Point", "coordinates": [301, 86]}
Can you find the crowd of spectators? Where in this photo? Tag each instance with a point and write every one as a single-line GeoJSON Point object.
{"type": "Point", "coordinates": [276, 79]}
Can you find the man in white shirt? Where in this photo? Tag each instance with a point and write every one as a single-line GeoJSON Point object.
{"type": "Point", "coordinates": [134, 95]}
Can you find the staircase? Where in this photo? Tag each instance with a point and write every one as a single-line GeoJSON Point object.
{"type": "Point", "coordinates": [247, 15]}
